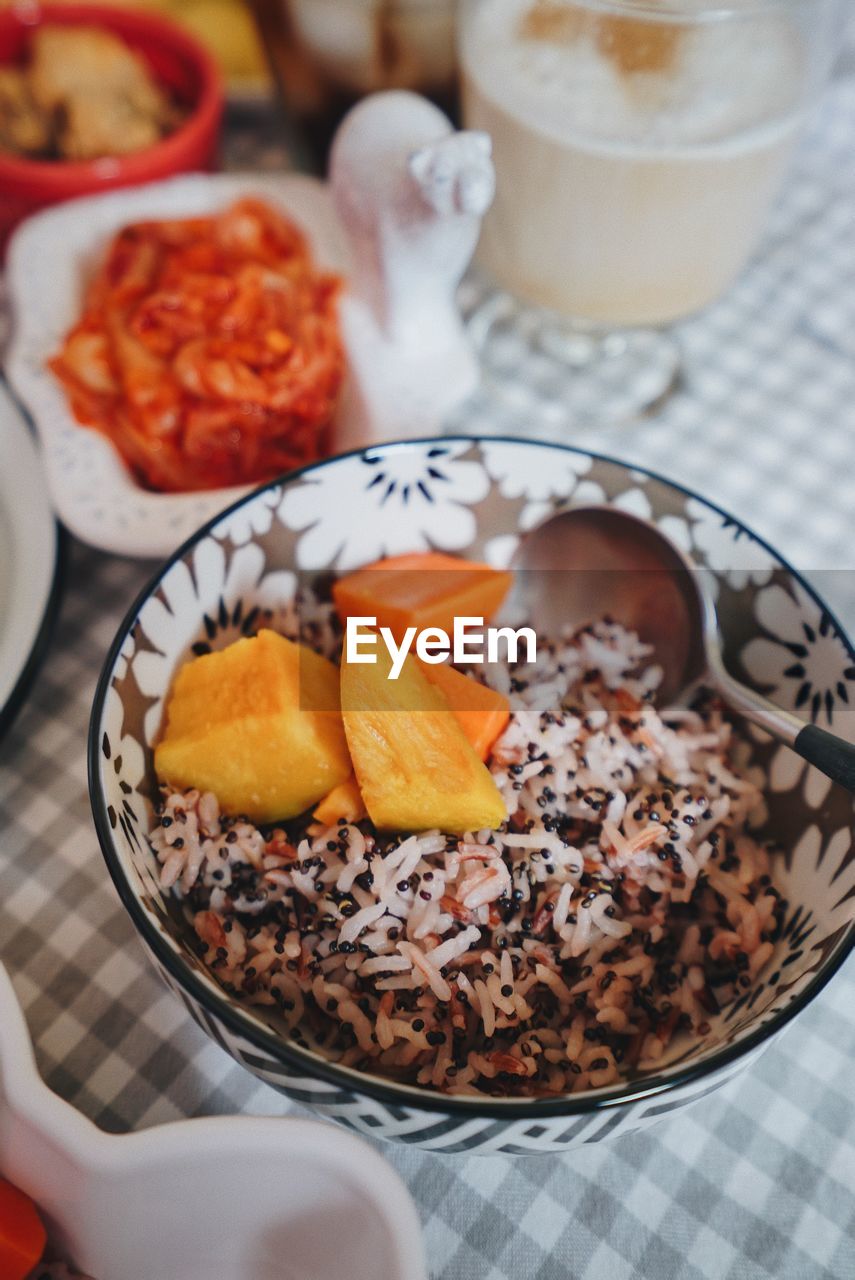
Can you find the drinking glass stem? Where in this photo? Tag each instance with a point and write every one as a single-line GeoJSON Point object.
{"type": "Point", "coordinates": [555, 370]}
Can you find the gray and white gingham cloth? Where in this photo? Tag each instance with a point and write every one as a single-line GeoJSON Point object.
{"type": "Point", "coordinates": [757, 1181]}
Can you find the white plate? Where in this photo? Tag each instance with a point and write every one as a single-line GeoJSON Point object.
{"type": "Point", "coordinates": [224, 1198]}
{"type": "Point", "coordinates": [28, 558]}
{"type": "Point", "coordinates": [49, 260]}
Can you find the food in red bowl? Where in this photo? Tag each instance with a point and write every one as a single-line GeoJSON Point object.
{"type": "Point", "coordinates": [185, 125]}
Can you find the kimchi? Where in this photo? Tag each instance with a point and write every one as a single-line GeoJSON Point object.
{"type": "Point", "coordinates": [208, 351]}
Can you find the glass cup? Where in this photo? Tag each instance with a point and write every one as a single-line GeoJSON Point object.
{"type": "Point", "coordinates": [638, 146]}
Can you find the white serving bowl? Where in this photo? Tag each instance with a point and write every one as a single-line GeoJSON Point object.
{"type": "Point", "coordinates": [50, 259]}
{"type": "Point", "coordinates": [225, 1198]}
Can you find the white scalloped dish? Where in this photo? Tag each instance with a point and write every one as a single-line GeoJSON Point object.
{"type": "Point", "coordinates": [225, 1198]}
{"type": "Point", "coordinates": [50, 258]}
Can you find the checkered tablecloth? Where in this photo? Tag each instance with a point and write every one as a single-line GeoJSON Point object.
{"type": "Point", "coordinates": [756, 1181]}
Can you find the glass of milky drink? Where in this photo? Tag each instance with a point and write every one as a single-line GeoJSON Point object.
{"type": "Point", "coordinates": [638, 146]}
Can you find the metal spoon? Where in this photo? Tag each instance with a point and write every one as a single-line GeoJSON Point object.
{"type": "Point", "coordinates": [590, 562]}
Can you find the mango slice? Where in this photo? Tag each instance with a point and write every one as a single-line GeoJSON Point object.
{"type": "Point", "coordinates": [426, 589]}
{"type": "Point", "coordinates": [482, 713]}
{"type": "Point", "coordinates": [343, 804]}
{"type": "Point", "coordinates": [258, 724]}
{"type": "Point", "coordinates": [414, 765]}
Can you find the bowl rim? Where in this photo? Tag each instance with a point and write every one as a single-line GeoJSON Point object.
{"type": "Point", "coordinates": [55, 178]}
{"type": "Point", "coordinates": [220, 1006]}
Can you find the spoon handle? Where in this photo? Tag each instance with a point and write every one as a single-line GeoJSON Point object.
{"type": "Point", "coordinates": [832, 755]}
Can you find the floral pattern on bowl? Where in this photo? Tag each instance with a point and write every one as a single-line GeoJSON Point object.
{"type": "Point", "coordinates": [478, 498]}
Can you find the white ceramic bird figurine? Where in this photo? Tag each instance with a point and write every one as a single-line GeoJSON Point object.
{"type": "Point", "coordinates": [410, 192]}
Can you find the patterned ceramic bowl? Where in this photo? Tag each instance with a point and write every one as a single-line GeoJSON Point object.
{"type": "Point", "coordinates": [477, 497]}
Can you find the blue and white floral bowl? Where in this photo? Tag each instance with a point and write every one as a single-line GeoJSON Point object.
{"type": "Point", "coordinates": [477, 498]}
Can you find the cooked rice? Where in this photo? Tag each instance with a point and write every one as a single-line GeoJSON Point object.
{"type": "Point", "coordinates": [624, 902]}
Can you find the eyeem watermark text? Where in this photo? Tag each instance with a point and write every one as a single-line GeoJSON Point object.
{"type": "Point", "coordinates": [470, 642]}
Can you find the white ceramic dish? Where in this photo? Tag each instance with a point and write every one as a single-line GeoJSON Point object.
{"type": "Point", "coordinates": [28, 558]}
{"type": "Point", "coordinates": [50, 257]}
{"type": "Point", "coordinates": [228, 1198]}
{"type": "Point", "coordinates": [399, 220]}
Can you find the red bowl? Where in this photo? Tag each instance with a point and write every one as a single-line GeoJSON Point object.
{"type": "Point", "coordinates": [177, 61]}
